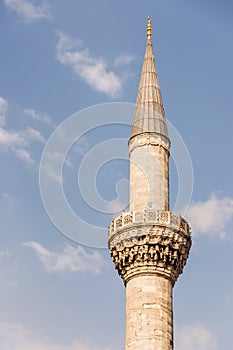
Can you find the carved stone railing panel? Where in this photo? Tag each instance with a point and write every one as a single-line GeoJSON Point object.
{"type": "Point", "coordinates": [149, 216]}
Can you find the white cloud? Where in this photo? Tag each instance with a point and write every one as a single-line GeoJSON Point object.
{"type": "Point", "coordinates": [28, 11]}
{"type": "Point", "coordinates": [15, 336]}
{"type": "Point", "coordinates": [33, 134]}
{"type": "Point", "coordinates": [94, 71]}
{"type": "Point", "coordinates": [10, 139]}
{"type": "Point", "coordinates": [3, 110]}
{"type": "Point", "coordinates": [17, 141]}
{"type": "Point", "coordinates": [123, 60]}
{"type": "Point", "coordinates": [195, 337]}
{"type": "Point", "coordinates": [70, 259]}
{"type": "Point", "coordinates": [24, 155]}
{"type": "Point", "coordinates": [30, 112]}
{"type": "Point", "coordinates": [211, 217]}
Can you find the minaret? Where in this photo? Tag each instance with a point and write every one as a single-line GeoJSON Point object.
{"type": "Point", "coordinates": [149, 244]}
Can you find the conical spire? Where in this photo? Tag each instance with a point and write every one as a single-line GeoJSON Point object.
{"type": "Point", "coordinates": [149, 113]}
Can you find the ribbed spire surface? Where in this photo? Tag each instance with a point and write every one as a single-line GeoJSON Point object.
{"type": "Point", "coordinates": [149, 113]}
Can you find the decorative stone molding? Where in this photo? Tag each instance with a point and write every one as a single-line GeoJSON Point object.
{"type": "Point", "coordinates": [148, 138]}
{"type": "Point", "coordinates": [149, 242]}
{"type": "Point", "coordinates": [139, 219]}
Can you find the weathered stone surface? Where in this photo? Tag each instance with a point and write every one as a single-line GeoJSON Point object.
{"type": "Point", "coordinates": [149, 249]}
{"type": "Point", "coordinates": [149, 173]}
{"type": "Point", "coordinates": [149, 242]}
{"type": "Point", "coordinates": [149, 245]}
{"type": "Point", "coordinates": [149, 313]}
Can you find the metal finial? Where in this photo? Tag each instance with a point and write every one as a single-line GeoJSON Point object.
{"type": "Point", "coordinates": [149, 30]}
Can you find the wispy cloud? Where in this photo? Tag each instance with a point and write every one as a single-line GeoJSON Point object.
{"type": "Point", "coordinates": [94, 71]}
{"type": "Point", "coordinates": [24, 155]}
{"type": "Point", "coordinates": [14, 141]}
{"type": "Point", "coordinates": [15, 336]}
{"type": "Point", "coordinates": [81, 146]}
{"type": "Point", "coordinates": [31, 113]}
{"type": "Point", "coordinates": [11, 138]}
{"type": "Point", "coordinates": [33, 134]}
{"type": "Point", "coordinates": [28, 11]}
{"type": "Point", "coordinates": [124, 59]}
{"type": "Point", "coordinates": [52, 165]}
{"type": "Point", "coordinates": [17, 141]}
{"type": "Point", "coordinates": [211, 217]}
{"type": "Point", "coordinates": [3, 110]}
{"type": "Point", "coordinates": [70, 259]}
{"type": "Point", "coordinates": [195, 337]}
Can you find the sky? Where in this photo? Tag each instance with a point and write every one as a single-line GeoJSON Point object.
{"type": "Point", "coordinates": [69, 77]}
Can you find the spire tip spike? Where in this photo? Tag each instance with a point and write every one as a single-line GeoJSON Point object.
{"type": "Point", "coordinates": [149, 29]}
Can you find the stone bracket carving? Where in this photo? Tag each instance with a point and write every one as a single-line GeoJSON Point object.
{"type": "Point", "coordinates": [159, 247]}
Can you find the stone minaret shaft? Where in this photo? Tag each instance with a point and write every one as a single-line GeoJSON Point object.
{"type": "Point", "coordinates": [149, 244]}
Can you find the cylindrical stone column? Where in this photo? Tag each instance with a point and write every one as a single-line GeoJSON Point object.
{"type": "Point", "coordinates": [149, 318]}
{"type": "Point", "coordinates": [149, 173]}
{"type": "Point", "coordinates": [149, 249]}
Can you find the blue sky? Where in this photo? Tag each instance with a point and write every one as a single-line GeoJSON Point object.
{"type": "Point", "coordinates": [58, 58]}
